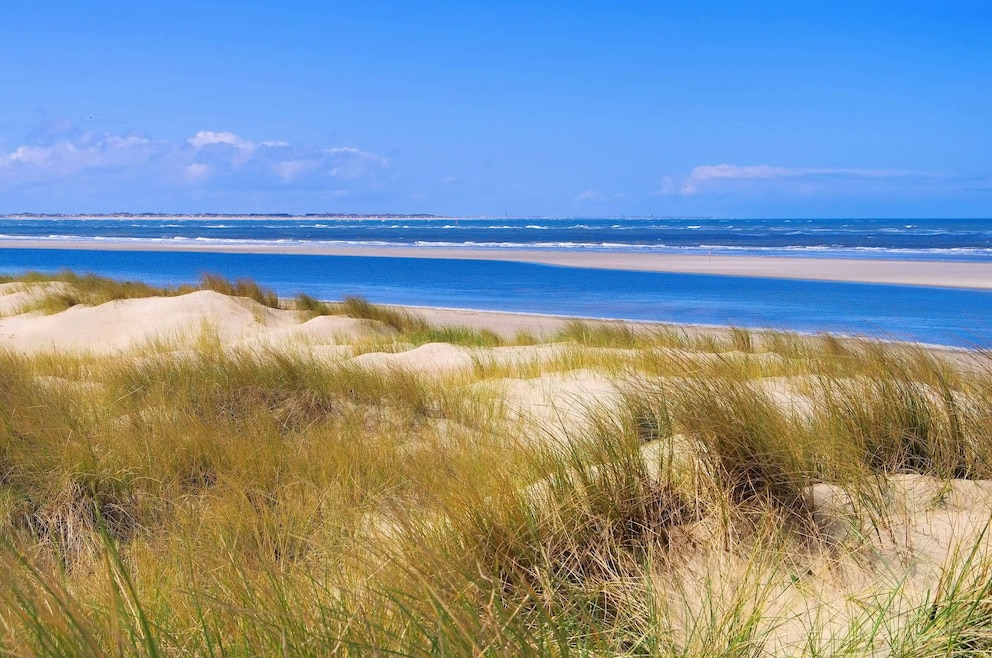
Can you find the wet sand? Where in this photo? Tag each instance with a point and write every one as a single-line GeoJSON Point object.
{"type": "Point", "coordinates": [916, 273]}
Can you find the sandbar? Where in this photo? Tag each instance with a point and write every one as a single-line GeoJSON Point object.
{"type": "Point", "coordinates": [930, 273]}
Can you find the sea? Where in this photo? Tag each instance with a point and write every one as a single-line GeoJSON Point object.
{"type": "Point", "coordinates": [933, 315]}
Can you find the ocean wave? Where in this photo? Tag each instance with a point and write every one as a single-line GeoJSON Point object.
{"type": "Point", "coordinates": [799, 237]}
{"type": "Point", "coordinates": [600, 245]}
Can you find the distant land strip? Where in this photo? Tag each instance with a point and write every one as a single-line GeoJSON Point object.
{"type": "Point", "coordinates": [214, 215]}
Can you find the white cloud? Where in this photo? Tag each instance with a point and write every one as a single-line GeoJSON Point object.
{"type": "Point", "coordinates": [208, 137]}
{"type": "Point", "coordinates": [89, 151]}
{"type": "Point", "coordinates": [223, 146]}
{"type": "Point", "coordinates": [208, 157]}
{"type": "Point", "coordinates": [30, 155]}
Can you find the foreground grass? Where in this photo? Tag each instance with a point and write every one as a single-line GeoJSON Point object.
{"type": "Point", "coordinates": [226, 502]}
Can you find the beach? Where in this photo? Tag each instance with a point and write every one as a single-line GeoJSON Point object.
{"type": "Point", "coordinates": [931, 273]}
{"type": "Point", "coordinates": [538, 330]}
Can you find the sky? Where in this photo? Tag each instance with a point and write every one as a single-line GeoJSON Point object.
{"type": "Point", "coordinates": [807, 108]}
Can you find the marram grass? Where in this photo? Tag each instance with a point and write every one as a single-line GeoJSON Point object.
{"type": "Point", "coordinates": [748, 494]}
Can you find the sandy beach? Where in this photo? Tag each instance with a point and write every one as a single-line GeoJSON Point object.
{"type": "Point", "coordinates": [898, 272]}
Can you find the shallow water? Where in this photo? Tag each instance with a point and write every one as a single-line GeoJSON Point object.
{"type": "Point", "coordinates": [930, 315]}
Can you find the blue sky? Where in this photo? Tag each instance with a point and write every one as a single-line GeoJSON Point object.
{"type": "Point", "coordinates": [800, 108]}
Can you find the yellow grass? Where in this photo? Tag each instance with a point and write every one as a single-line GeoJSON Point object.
{"type": "Point", "coordinates": [741, 494]}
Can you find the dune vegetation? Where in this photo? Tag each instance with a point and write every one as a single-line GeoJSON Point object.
{"type": "Point", "coordinates": [386, 486]}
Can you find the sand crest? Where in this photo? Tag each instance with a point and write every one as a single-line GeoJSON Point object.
{"type": "Point", "coordinates": [432, 358]}
{"type": "Point", "coordinates": [128, 323]}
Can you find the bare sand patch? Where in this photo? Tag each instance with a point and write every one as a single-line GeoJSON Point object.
{"type": "Point", "coordinates": [557, 406]}
{"type": "Point", "coordinates": [432, 358]}
{"type": "Point", "coordinates": [129, 323]}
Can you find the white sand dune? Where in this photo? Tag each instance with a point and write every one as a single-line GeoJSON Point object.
{"type": "Point", "coordinates": [325, 331]}
{"type": "Point", "coordinates": [134, 323]}
{"type": "Point", "coordinates": [129, 323]}
{"type": "Point", "coordinates": [432, 358]}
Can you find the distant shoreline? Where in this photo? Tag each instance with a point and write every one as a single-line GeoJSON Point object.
{"type": "Point", "coordinates": [970, 275]}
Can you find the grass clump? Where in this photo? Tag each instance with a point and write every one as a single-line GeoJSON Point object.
{"type": "Point", "coordinates": [401, 320]}
{"type": "Point", "coordinates": [411, 327]}
{"type": "Point", "coordinates": [910, 416]}
{"type": "Point", "coordinates": [601, 334]}
{"type": "Point", "coordinates": [71, 289]}
{"type": "Point", "coordinates": [758, 456]}
{"type": "Point", "coordinates": [313, 307]}
{"type": "Point", "coordinates": [66, 289]}
{"type": "Point", "coordinates": [243, 287]}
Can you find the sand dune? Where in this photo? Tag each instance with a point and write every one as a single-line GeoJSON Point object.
{"type": "Point", "coordinates": [432, 358]}
{"type": "Point", "coordinates": [133, 323]}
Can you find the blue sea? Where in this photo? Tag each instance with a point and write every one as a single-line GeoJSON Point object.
{"type": "Point", "coordinates": [930, 315]}
{"type": "Point", "coordinates": [923, 239]}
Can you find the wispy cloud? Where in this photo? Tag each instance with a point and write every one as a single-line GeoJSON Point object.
{"type": "Point", "coordinates": [717, 177]}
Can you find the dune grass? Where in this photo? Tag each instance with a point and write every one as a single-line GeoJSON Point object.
{"type": "Point", "coordinates": [408, 326]}
{"type": "Point", "coordinates": [746, 494]}
{"type": "Point", "coordinates": [66, 289]}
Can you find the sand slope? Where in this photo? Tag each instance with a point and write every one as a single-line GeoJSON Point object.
{"type": "Point", "coordinates": [134, 323]}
